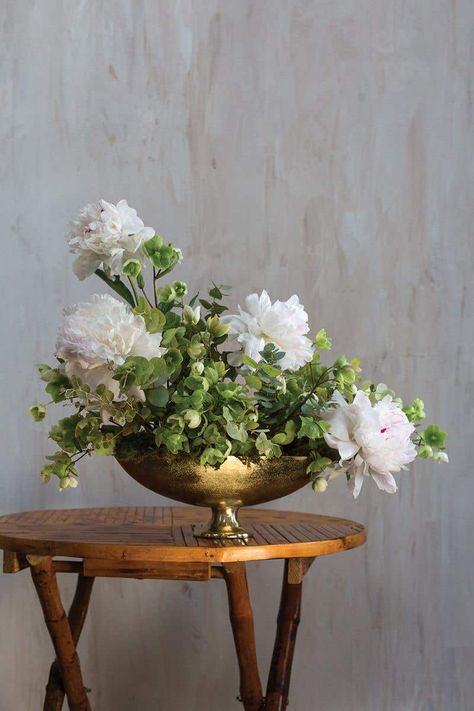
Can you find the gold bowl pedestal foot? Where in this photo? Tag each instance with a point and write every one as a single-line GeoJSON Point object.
{"type": "Point", "coordinates": [223, 524]}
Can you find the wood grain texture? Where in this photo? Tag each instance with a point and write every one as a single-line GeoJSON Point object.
{"type": "Point", "coordinates": [55, 694]}
{"type": "Point", "coordinates": [322, 147]}
{"type": "Point", "coordinates": [138, 536]}
{"type": "Point", "coordinates": [14, 562]}
{"type": "Point", "coordinates": [62, 635]}
{"type": "Point", "coordinates": [241, 618]}
{"type": "Point", "coordinates": [289, 616]}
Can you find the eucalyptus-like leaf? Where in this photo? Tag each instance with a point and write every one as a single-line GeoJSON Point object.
{"type": "Point", "coordinates": [118, 286]}
{"type": "Point", "coordinates": [158, 397]}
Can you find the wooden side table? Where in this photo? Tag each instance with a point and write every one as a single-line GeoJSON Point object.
{"type": "Point", "coordinates": [159, 543]}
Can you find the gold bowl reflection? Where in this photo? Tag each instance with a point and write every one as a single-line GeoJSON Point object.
{"type": "Point", "coordinates": [224, 490]}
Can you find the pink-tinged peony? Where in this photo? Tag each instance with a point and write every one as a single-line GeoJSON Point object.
{"type": "Point", "coordinates": [371, 439]}
{"type": "Point", "coordinates": [96, 337]}
{"type": "Point", "coordinates": [106, 236]}
{"type": "Point", "coordinates": [283, 323]}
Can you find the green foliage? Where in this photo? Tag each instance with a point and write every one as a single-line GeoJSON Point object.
{"type": "Point", "coordinates": [139, 371]}
{"type": "Point", "coordinates": [64, 433]}
{"type": "Point", "coordinates": [416, 411]}
{"type": "Point", "coordinates": [287, 436]}
{"type": "Point", "coordinates": [322, 341]}
{"type": "Point", "coordinates": [253, 381]}
{"type": "Point", "coordinates": [117, 285]}
{"type": "Point", "coordinates": [237, 432]}
{"type": "Point", "coordinates": [62, 466]}
{"type": "Point", "coordinates": [318, 464]}
{"type": "Point", "coordinates": [266, 447]}
{"type": "Point", "coordinates": [191, 402]}
{"type": "Point", "coordinates": [311, 428]}
{"type": "Point", "coordinates": [158, 397]}
{"type": "Point", "coordinates": [155, 319]}
{"type": "Point", "coordinates": [57, 385]}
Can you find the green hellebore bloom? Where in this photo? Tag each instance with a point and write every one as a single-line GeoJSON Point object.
{"type": "Point", "coordinates": [425, 452]}
{"type": "Point", "coordinates": [216, 327]}
{"type": "Point", "coordinates": [47, 472]}
{"type": "Point", "coordinates": [322, 341]}
{"type": "Point", "coordinates": [37, 412]}
{"type": "Point", "coordinates": [181, 289]}
{"type": "Point", "coordinates": [416, 411]}
{"type": "Point", "coordinates": [166, 294]}
{"type": "Point", "coordinates": [162, 256]}
{"type": "Point", "coordinates": [191, 316]}
{"type": "Point", "coordinates": [434, 436]}
{"type": "Point", "coordinates": [196, 350]}
{"type": "Point", "coordinates": [132, 268]}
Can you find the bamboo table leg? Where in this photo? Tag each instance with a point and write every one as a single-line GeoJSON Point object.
{"type": "Point", "coordinates": [46, 584]}
{"type": "Point", "coordinates": [77, 615]}
{"type": "Point", "coordinates": [242, 626]}
{"type": "Point", "coordinates": [287, 625]}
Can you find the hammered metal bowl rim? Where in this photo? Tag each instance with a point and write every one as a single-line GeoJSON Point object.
{"type": "Point", "coordinates": [171, 458]}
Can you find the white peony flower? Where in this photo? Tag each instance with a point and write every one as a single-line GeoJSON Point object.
{"type": "Point", "coordinates": [105, 236]}
{"type": "Point", "coordinates": [97, 335]}
{"type": "Point", "coordinates": [372, 439]}
{"type": "Point", "coordinates": [283, 323]}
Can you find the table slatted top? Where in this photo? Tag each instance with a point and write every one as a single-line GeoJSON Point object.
{"type": "Point", "coordinates": [168, 534]}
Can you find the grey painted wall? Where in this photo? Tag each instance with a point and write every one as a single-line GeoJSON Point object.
{"type": "Point", "coordinates": [323, 147]}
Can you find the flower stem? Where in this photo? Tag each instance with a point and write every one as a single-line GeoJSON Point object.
{"type": "Point", "coordinates": [135, 295]}
{"type": "Point", "coordinates": [300, 404]}
{"type": "Point", "coordinates": [146, 296]}
{"type": "Point", "coordinates": [155, 278]}
{"type": "Point", "coordinates": [81, 455]}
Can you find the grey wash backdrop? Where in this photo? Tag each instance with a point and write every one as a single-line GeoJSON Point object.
{"type": "Point", "coordinates": [322, 147]}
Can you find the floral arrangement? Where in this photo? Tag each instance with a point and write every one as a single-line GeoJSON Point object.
{"type": "Point", "coordinates": [151, 371]}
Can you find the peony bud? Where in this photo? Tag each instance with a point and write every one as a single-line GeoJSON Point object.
{"type": "Point", "coordinates": [68, 482]}
{"type": "Point", "coordinates": [197, 368]}
{"type": "Point", "coordinates": [191, 316]}
{"type": "Point", "coordinates": [320, 484]}
{"type": "Point", "coordinates": [216, 327]}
